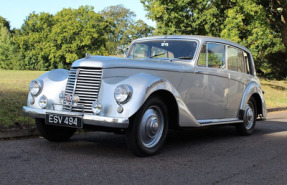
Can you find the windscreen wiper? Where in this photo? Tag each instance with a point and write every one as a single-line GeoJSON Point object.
{"type": "Point", "coordinates": [185, 57]}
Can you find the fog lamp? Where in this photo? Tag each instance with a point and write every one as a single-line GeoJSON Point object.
{"type": "Point", "coordinates": [43, 102]}
{"type": "Point", "coordinates": [76, 98]}
{"type": "Point", "coordinates": [32, 100]}
{"type": "Point", "coordinates": [97, 107]}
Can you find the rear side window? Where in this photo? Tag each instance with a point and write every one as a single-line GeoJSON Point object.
{"type": "Point", "coordinates": [216, 55]}
{"type": "Point", "coordinates": [237, 60]}
{"type": "Point", "coordinates": [212, 55]}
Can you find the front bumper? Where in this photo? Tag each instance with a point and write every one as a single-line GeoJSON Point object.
{"type": "Point", "coordinates": [87, 119]}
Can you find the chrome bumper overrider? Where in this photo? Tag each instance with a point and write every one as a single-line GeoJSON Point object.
{"type": "Point", "coordinates": [88, 119]}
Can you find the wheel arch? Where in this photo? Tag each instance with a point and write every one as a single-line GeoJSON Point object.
{"type": "Point", "coordinates": [258, 101]}
{"type": "Point", "coordinates": [172, 107]}
{"type": "Point", "coordinates": [253, 90]}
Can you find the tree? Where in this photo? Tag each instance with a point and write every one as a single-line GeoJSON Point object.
{"type": "Point", "coordinates": [32, 41]}
{"type": "Point", "coordinates": [203, 17]}
{"type": "Point", "coordinates": [46, 41]}
{"type": "Point", "coordinates": [124, 25]}
{"type": "Point", "coordinates": [8, 53]}
{"type": "Point", "coordinates": [122, 19]}
{"type": "Point", "coordinates": [6, 48]}
{"type": "Point", "coordinates": [247, 25]}
{"type": "Point", "coordinates": [276, 14]}
{"type": "Point", "coordinates": [4, 23]}
{"type": "Point", "coordinates": [139, 29]}
{"type": "Point", "coordinates": [76, 32]}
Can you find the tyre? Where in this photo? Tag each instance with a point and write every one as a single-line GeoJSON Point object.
{"type": "Point", "coordinates": [247, 127]}
{"type": "Point", "coordinates": [54, 133]}
{"type": "Point", "coordinates": [148, 128]}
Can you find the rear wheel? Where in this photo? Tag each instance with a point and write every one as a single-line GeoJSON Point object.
{"type": "Point", "coordinates": [54, 133]}
{"type": "Point", "coordinates": [148, 128]}
{"type": "Point", "coordinates": [249, 119]}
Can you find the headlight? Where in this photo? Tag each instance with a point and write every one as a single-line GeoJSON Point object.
{"type": "Point", "coordinates": [43, 102]}
{"type": "Point", "coordinates": [123, 94]}
{"type": "Point", "coordinates": [35, 87]}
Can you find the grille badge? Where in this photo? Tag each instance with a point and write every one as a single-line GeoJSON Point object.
{"type": "Point", "coordinates": [68, 98]}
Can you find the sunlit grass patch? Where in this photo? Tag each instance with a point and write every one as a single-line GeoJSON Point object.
{"type": "Point", "coordinates": [275, 92]}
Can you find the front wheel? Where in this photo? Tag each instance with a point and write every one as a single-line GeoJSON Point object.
{"type": "Point", "coordinates": [247, 127]}
{"type": "Point", "coordinates": [148, 128]}
{"type": "Point", "coordinates": [54, 133]}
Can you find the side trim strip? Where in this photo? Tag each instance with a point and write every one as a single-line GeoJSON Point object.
{"type": "Point", "coordinates": [218, 121]}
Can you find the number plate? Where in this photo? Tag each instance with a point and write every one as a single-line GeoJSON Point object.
{"type": "Point", "coordinates": [62, 120]}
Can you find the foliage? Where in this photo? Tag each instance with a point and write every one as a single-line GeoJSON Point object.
{"type": "Point", "coordinates": [125, 27]}
{"type": "Point", "coordinates": [276, 15]}
{"type": "Point", "coordinates": [5, 23]}
{"type": "Point", "coordinates": [7, 49]}
{"type": "Point", "coordinates": [32, 41]}
{"type": "Point", "coordinates": [46, 41]}
{"type": "Point", "coordinates": [242, 21]}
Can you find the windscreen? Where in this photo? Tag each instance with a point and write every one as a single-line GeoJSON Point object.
{"type": "Point", "coordinates": [163, 49]}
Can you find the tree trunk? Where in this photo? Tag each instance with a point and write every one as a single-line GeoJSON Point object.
{"type": "Point", "coordinates": [283, 25]}
{"type": "Point", "coordinates": [283, 30]}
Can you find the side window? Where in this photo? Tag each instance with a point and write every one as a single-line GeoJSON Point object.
{"type": "Point", "coordinates": [216, 55]}
{"type": "Point", "coordinates": [139, 51]}
{"type": "Point", "coordinates": [237, 60]}
{"type": "Point", "coordinates": [202, 57]}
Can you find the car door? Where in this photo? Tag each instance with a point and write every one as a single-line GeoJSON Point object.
{"type": "Point", "coordinates": [207, 87]}
{"type": "Point", "coordinates": [238, 66]}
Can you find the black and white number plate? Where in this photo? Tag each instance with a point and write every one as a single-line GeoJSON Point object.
{"type": "Point", "coordinates": [63, 120]}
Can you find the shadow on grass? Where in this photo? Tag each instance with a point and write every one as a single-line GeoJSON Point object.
{"type": "Point", "coordinates": [276, 87]}
{"type": "Point", "coordinates": [11, 109]}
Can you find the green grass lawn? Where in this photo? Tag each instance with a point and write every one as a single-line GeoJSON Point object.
{"type": "Point", "coordinates": [275, 92]}
{"type": "Point", "coordinates": [14, 87]}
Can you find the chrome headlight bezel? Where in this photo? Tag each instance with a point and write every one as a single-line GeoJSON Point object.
{"type": "Point", "coordinates": [123, 94]}
{"type": "Point", "coordinates": [35, 87]}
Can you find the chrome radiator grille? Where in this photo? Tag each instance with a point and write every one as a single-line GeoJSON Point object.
{"type": "Point", "coordinates": [84, 82]}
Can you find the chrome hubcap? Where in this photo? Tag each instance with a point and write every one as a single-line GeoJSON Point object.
{"type": "Point", "coordinates": [151, 126]}
{"type": "Point", "coordinates": [249, 116]}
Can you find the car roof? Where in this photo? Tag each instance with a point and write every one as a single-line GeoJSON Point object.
{"type": "Point", "coordinates": [200, 38]}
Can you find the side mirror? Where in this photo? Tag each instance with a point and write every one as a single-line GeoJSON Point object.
{"type": "Point", "coordinates": [126, 52]}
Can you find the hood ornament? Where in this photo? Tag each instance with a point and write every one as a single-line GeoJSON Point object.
{"type": "Point", "coordinates": [88, 55]}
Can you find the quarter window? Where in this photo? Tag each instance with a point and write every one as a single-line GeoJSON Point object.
{"type": "Point", "coordinates": [237, 60]}
{"type": "Point", "coordinates": [139, 51]}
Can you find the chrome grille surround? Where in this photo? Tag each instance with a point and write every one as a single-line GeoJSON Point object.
{"type": "Point", "coordinates": [84, 82]}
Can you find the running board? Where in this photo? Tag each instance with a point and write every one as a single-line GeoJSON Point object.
{"type": "Point", "coordinates": [219, 121]}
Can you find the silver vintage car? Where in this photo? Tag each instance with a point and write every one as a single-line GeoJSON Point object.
{"type": "Point", "coordinates": [164, 82]}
